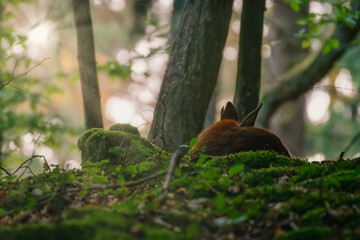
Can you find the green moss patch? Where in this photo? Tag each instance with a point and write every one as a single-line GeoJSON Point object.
{"type": "Point", "coordinates": [251, 195]}
{"type": "Point", "coordinates": [122, 146]}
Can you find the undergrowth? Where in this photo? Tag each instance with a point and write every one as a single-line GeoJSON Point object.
{"type": "Point", "coordinates": [252, 195]}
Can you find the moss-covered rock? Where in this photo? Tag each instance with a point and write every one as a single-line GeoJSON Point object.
{"type": "Point", "coordinates": [125, 128]}
{"type": "Point", "coordinates": [121, 145]}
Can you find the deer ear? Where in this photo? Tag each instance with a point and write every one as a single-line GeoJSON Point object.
{"type": "Point", "coordinates": [229, 112]}
{"type": "Point", "coordinates": [250, 119]}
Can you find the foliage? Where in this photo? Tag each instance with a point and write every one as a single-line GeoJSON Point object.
{"type": "Point", "coordinates": [21, 98]}
{"type": "Point", "coordinates": [253, 195]}
{"type": "Point", "coordinates": [114, 68]}
{"type": "Point", "coordinates": [342, 14]}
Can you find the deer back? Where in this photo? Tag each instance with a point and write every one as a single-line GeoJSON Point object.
{"type": "Point", "coordinates": [229, 136]}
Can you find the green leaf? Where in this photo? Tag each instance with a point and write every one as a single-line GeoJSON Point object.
{"type": "Point", "coordinates": [311, 15]}
{"type": "Point", "coordinates": [56, 169]}
{"type": "Point", "coordinates": [236, 169]}
{"type": "Point", "coordinates": [332, 43]}
{"type": "Point", "coordinates": [201, 160]}
{"type": "Point", "coordinates": [302, 21]}
{"type": "Point", "coordinates": [193, 142]}
{"type": "Point", "coordinates": [220, 202]}
{"type": "Point", "coordinates": [45, 167]}
{"type": "Point", "coordinates": [305, 43]}
{"type": "Point", "coordinates": [350, 22]}
{"type": "Point", "coordinates": [114, 68]}
{"type": "Point", "coordinates": [295, 6]}
{"type": "Point", "coordinates": [314, 29]}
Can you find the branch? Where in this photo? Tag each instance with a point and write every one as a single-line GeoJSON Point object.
{"type": "Point", "coordinates": [353, 141]}
{"type": "Point", "coordinates": [23, 74]}
{"type": "Point", "coordinates": [30, 171]}
{"type": "Point", "coordinates": [303, 76]}
{"type": "Point", "coordinates": [47, 164]}
{"type": "Point", "coordinates": [178, 154]}
{"type": "Point", "coordinates": [6, 171]}
{"type": "Point", "coordinates": [28, 160]}
{"type": "Point", "coordinates": [27, 167]}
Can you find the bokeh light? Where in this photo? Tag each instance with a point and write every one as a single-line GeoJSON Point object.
{"type": "Point", "coordinates": [119, 110]}
{"type": "Point", "coordinates": [266, 51]}
{"type": "Point", "coordinates": [317, 157]}
{"type": "Point", "coordinates": [41, 40]}
{"type": "Point", "coordinates": [230, 53]}
{"type": "Point", "coordinates": [317, 107]}
{"type": "Point", "coordinates": [344, 84]}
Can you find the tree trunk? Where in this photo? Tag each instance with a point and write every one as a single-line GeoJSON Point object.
{"type": "Point", "coordinates": [191, 75]}
{"type": "Point", "coordinates": [249, 64]}
{"type": "Point", "coordinates": [175, 19]}
{"type": "Point", "coordinates": [304, 75]}
{"type": "Point", "coordinates": [211, 111]}
{"type": "Point", "coordinates": [288, 123]}
{"type": "Point", "coordinates": [87, 64]}
{"type": "Point", "coordinates": [141, 7]}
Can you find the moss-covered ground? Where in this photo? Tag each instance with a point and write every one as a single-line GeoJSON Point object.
{"type": "Point", "coordinates": [252, 195]}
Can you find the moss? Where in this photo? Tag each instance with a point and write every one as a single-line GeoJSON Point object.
{"type": "Point", "coordinates": [268, 176]}
{"type": "Point", "coordinates": [255, 160]}
{"type": "Point", "coordinates": [268, 197]}
{"type": "Point", "coordinates": [314, 216]}
{"type": "Point", "coordinates": [47, 231]}
{"type": "Point", "coordinates": [121, 145]}
{"type": "Point", "coordinates": [125, 128]}
{"type": "Point", "coordinates": [318, 233]}
{"type": "Point", "coordinates": [347, 181]}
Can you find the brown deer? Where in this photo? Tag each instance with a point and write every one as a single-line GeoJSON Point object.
{"type": "Point", "coordinates": [231, 136]}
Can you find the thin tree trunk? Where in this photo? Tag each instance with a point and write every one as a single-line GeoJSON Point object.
{"type": "Point", "coordinates": [191, 75]}
{"type": "Point", "coordinates": [87, 64]}
{"type": "Point", "coordinates": [249, 63]}
{"type": "Point", "coordinates": [141, 7]}
{"type": "Point", "coordinates": [304, 75]}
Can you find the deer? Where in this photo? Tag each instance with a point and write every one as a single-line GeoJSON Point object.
{"type": "Point", "coordinates": [229, 135]}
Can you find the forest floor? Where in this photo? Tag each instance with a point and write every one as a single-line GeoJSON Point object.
{"type": "Point", "coordinates": [251, 195]}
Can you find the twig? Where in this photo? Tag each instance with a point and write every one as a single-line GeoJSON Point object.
{"type": "Point", "coordinates": [178, 154]}
{"type": "Point", "coordinates": [27, 167]}
{"type": "Point", "coordinates": [13, 71]}
{"type": "Point", "coordinates": [353, 141]}
{"type": "Point", "coordinates": [23, 74]}
{"type": "Point", "coordinates": [43, 157]}
{"type": "Point", "coordinates": [6, 171]}
{"type": "Point", "coordinates": [28, 160]}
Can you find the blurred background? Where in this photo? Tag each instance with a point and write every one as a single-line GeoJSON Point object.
{"type": "Point", "coordinates": [42, 110]}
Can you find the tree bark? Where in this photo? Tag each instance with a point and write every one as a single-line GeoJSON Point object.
{"type": "Point", "coordinates": [247, 89]}
{"type": "Point", "coordinates": [175, 19]}
{"type": "Point", "coordinates": [141, 7]}
{"type": "Point", "coordinates": [87, 64]}
{"type": "Point", "coordinates": [288, 122]}
{"type": "Point", "coordinates": [192, 72]}
{"type": "Point", "coordinates": [304, 75]}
